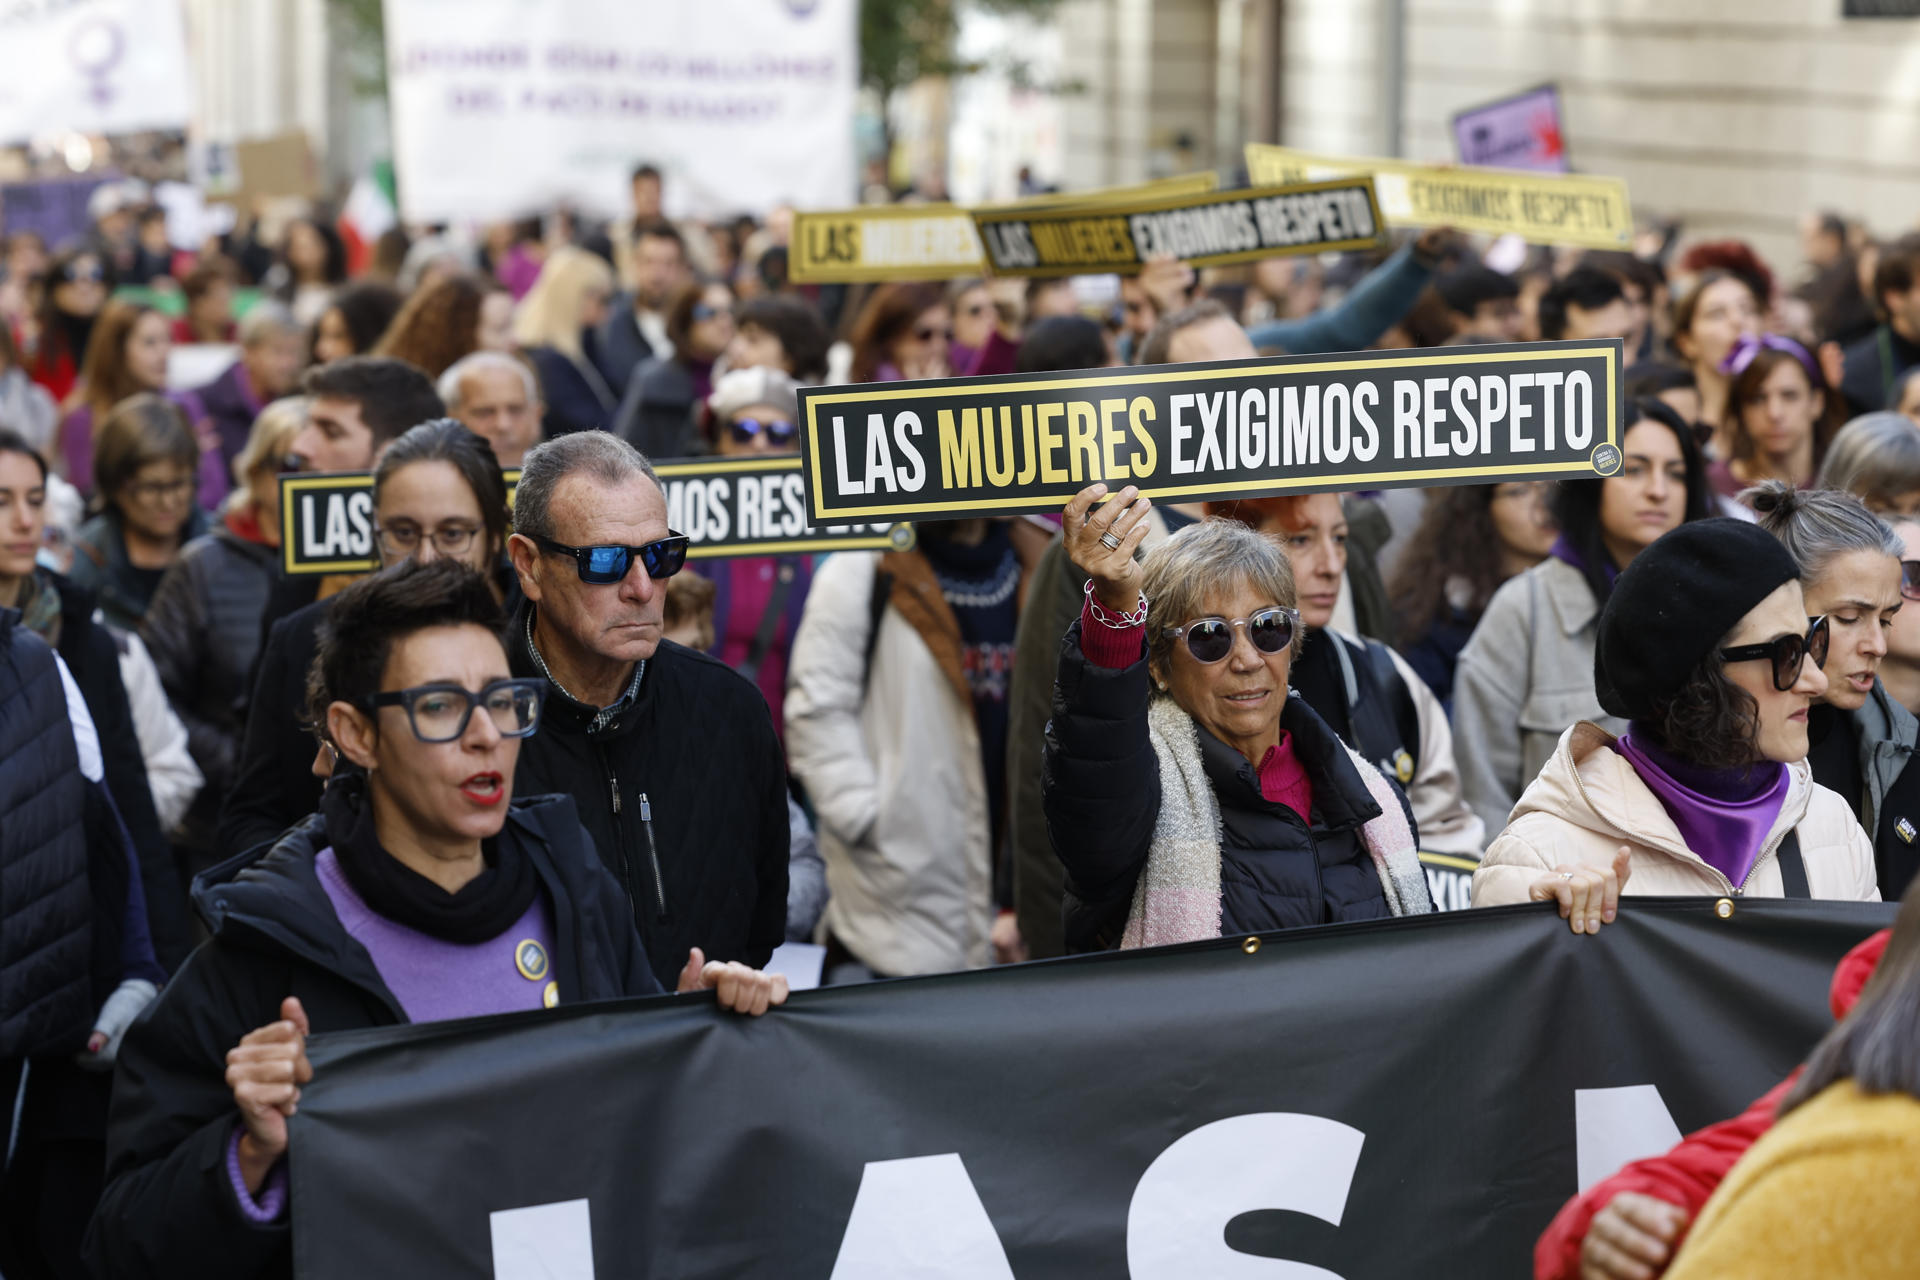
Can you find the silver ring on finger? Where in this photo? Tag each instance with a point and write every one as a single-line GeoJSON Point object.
{"type": "Point", "coordinates": [1566, 875]}
{"type": "Point", "coordinates": [1110, 542]}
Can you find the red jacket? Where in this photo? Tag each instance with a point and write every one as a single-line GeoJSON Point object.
{"type": "Point", "coordinates": [1687, 1175]}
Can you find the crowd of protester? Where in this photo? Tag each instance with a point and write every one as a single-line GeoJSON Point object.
{"type": "Point", "coordinates": [539, 758]}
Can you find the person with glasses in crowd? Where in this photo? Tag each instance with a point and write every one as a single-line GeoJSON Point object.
{"type": "Point", "coordinates": [78, 286]}
{"type": "Point", "coordinates": [904, 331]}
{"type": "Point", "coordinates": [498, 398]}
{"type": "Point", "coordinates": [1187, 793]}
{"type": "Point", "coordinates": [145, 462]}
{"type": "Point", "coordinates": [437, 494]}
{"type": "Point", "coordinates": [1862, 740]}
{"type": "Point", "coordinates": [758, 600]}
{"type": "Point", "coordinates": [1706, 651]}
{"type": "Point", "coordinates": [420, 891]}
{"type": "Point", "coordinates": [670, 756]}
{"type": "Point", "coordinates": [658, 413]}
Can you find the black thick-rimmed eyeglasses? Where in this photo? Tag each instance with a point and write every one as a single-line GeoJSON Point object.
{"type": "Point", "coordinates": [1787, 653]}
{"type": "Point", "coordinates": [440, 712]}
{"type": "Point", "coordinates": [1210, 640]}
{"type": "Point", "coordinates": [603, 566]}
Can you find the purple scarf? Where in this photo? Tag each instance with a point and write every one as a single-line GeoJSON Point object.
{"type": "Point", "coordinates": [1565, 552]}
{"type": "Point", "coordinates": [1723, 815]}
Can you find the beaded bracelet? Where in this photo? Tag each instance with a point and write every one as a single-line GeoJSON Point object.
{"type": "Point", "coordinates": [1121, 622]}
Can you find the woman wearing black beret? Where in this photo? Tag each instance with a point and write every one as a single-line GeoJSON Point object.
{"type": "Point", "coordinates": [1705, 648]}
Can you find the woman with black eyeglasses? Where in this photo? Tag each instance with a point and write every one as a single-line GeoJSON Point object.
{"type": "Point", "coordinates": [1862, 740]}
{"type": "Point", "coordinates": [437, 494]}
{"type": "Point", "coordinates": [421, 891]}
{"type": "Point", "coordinates": [1706, 650]}
{"type": "Point", "coordinates": [1188, 795]}
{"type": "Point", "coordinates": [658, 414]}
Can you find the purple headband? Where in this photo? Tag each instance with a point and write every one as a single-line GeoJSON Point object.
{"type": "Point", "coordinates": [1745, 349]}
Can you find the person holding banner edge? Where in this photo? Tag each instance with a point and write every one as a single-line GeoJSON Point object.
{"type": "Point", "coordinates": [1704, 649]}
{"type": "Point", "coordinates": [420, 892]}
{"type": "Point", "coordinates": [1188, 794]}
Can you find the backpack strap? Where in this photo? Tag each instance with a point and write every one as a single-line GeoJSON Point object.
{"type": "Point", "coordinates": [784, 574]}
{"type": "Point", "coordinates": [876, 610]}
{"type": "Point", "coordinates": [1793, 868]}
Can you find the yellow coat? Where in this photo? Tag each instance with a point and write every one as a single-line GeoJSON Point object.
{"type": "Point", "coordinates": [1832, 1190]}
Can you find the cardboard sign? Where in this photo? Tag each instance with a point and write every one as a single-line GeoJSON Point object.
{"type": "Point", "coordinates": [929, 241]}
{"type": "Point", "coordinates": [728, 507]}
{"type": "Point", "coordinates": [1574, 209]}
{"type": "Point", "coordinates": [1231, 429]}
{"type": "Point", "coordinates": [1204, 231]}
{"type": "Point", "coordinates": [1520, 132]}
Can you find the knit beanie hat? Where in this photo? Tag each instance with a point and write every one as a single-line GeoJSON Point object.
{"type": "Point", "coordinates": [1674, 604]}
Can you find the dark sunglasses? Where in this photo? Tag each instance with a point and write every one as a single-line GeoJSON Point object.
{"type": "Point", "coordinates": [76, 274]}
{"type": "Point", "coordinates": [1910, 579]}
{"type": "Point", "coordinates": [779, 430]}
{"type": "Point", "coordinates": [701, 311]}
{"type": "Point", "coordinates": [603, 566]}
{"type": "Point", "coordinates": [1210, 640]}
{"type": "Point", "coordinates": [929, 334]}
{"type": "Point", "coordinates": [1786, 653]}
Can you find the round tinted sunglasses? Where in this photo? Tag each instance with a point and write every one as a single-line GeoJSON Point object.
{"type": "Point", "coordinates": [747, 430]}
{"type": "Point", "coordinates": [1786, 653]}
{"type": "Point", "coordinates": [606, 565]}
{"type": "Point", "coordinates": [1210, 640]}
{"type": "Point", "coordinates": [1910, 579]}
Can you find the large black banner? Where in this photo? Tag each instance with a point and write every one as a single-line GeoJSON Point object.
{"type": "Point", "coordinates": [955, 447]}
{"type": "Point", "coordinates": [1407, 1098]}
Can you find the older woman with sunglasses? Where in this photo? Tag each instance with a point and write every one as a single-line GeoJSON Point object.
{"type": "Point", "coordinates": [421, 891]}
{"type": "Point", "coordinates": [1862, 740]}
{"type": "Point", "coordinates": [1705, 649]}
{"type": "Point", "coordinates": [1186, 793]}
{"type": "Point", "coordinates": [758, 600]}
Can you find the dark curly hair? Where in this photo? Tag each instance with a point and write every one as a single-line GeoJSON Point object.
{"type": "Point", "coordinates": [1456, 539]}
{"type": "Point", "coordinates": [1711, 722]}
{"type": "Point", "coordinates": [365, 621]}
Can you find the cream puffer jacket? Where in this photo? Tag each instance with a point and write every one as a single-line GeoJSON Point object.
{"type": "Point", "coordinates": [1588, 801]}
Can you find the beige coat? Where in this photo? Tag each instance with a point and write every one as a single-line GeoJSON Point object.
{"type": "Point", "coordinates": [1588, 801]}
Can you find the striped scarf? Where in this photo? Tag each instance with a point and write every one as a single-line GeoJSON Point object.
{"type": "Point", "coordinates": [1178, 897]}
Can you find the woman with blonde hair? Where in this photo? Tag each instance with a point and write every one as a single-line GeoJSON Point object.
{"type": "Point", "coordinates": [126, 355]}
{"type": "Point", "coordinates": [555, 326]}
{"type": "Point", "coordinates": [203, 626]}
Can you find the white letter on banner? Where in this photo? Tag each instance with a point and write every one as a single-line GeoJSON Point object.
{"type": "Point", "coordinates": [1177, 1223]}
{"type": "Point", "coordinates": [919, 1218]}
{"type": "Point", "coordinates": [543, 1242]}
{"type": "Point", "coordinates": [1615, 1127]}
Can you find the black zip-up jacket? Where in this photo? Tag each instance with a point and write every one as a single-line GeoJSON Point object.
{"type": "Point", "coordinates": [170, 1208]}
{"type": "Point", "coordinates": [1101, 790]}
{"type": "Point", "coordinates": [685, 793]}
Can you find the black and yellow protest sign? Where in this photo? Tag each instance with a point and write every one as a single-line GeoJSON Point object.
{"type": "Point", "coordinates": [727, 506]}
{"type": "Point", "coordinates": [1232, 429]}
{"type": "Point", "coordinates": [1544, 208]}
{"type": "Point", "coordinates": [929, 241]}
{"type": "Point", "coordinates": [756, 506]}
{"type": "Point", "coordinates": [1203, 230]}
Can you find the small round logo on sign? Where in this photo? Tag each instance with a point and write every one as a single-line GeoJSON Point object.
{"type": "Point", "coordinates": [1403, 766]}
{"type": "Point", "coordinates": [902, 537]}
{"type": "Point", "coordinates": [1606, 459]}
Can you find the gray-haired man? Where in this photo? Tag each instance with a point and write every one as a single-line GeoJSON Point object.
{"type": "Point", "coordinates": [669, 754]}
{"type": "Point", "coordinates": [498, 398]}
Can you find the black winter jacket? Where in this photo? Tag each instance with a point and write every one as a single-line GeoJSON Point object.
{"type": "Point", "coordinates": [93, 657]}
{"type": "Point", "coordinates": [203, 629]}
{"type": "Point", "coordinates": [1101, 791]}
{"type": "Point", "coordinates": [170, 1208]}
{"type": "Point", "coordinates": [685, 792]}
{"type": "Point", "coordinates": [45, 907]}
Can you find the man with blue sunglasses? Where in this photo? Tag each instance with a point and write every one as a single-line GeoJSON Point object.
{"type": "Point", "coordinates": [670, 755]}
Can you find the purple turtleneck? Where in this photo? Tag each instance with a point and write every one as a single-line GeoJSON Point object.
{"type": "Point", "coordinates": [1723, 815]}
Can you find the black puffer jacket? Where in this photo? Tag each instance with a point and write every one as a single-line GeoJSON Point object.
{"type": "Point", "coordinates": [203, 629]}
{"type": "Point", "coordinates": [45, 907]}
{"type": "Point", "coordinates": [170, 1208]}
{"type": "Point", "coordinates": [1101, 790]}
{"type": "Point", "coordinates": [685, 792]}
{"type": "Point", "coordinates": [94, 660]}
